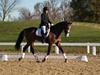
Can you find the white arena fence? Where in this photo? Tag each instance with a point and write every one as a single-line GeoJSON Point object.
{"type": "Point", "coordinates": [88, 45]}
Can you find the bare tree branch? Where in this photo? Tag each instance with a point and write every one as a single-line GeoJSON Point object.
{"type": "Point", "coordinates": [6, 6]}
{"type": "Point", "coordinates": [58, 10]}
{"type": "Point", "coordinates": [38, 9]}
{"type": "Point", "coordinates": [25, 14]}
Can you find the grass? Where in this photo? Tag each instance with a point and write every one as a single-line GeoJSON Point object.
{"type": "Point", "coordinates": [84, 32]}
{"type": "Point", "coordinates": [80, 32]}
{"type": "Point", "coordinates": [9, 31]}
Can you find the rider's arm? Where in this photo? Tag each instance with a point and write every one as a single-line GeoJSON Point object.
{"type": "Point", "coordinates": [49, 20]}
{"type": "Point", "coordinates": [43, 18]}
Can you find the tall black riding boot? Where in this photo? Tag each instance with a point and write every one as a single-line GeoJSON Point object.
{"type": "Point", "coordinates": [43, 38]}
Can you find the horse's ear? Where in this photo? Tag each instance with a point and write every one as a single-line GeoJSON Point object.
{"type": "Point", "coordinates": [70, 23]}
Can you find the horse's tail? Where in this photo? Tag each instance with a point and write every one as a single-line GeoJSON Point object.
{"type": "Point", "coordinates": [19, 40]}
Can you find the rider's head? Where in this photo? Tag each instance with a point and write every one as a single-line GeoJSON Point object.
{"type": "Point", "coordinates": [45, 9]}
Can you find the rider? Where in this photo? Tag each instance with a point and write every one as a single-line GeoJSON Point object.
{"type": "Point", "coordinates": [45, 22]}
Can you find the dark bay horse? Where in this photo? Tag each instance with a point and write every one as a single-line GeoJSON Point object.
{"type": "Point", "coordinates": [53, 38]}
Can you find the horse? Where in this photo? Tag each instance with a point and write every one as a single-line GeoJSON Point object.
{"type": "Point", "coordinates": [54, 37]}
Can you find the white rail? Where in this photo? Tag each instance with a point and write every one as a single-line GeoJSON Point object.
{"type": "Point", "coordinates": [88, 45]}
{"type": "Point", "coordinates": [63, 44]}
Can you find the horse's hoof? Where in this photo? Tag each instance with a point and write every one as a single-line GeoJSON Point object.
{"type": "Point", "coordinates": [19, 59]}
{"type": "Point", "coordinates": [44, 60]}
{"type": "Point", "coordinates": [38, 61]}
{"type": "Point", "coordinates": [66, 60]}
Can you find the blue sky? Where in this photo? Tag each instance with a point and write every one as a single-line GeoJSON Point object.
{"type": "Point", "coordinates": [29, 4]}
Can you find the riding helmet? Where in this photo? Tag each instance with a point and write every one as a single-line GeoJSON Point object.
{"type": "Point", "coordinates": [45, 8]}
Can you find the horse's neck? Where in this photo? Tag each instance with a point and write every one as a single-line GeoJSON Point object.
{"type": "Point", "coordinates": [57, 30]}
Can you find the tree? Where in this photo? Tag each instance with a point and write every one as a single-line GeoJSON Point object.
{"type": "Point", "coordinates": [52, 4]}
{"type": "Point", "coordinates": [67, 11]}
{"type": "Point", "coordinates": [6, 6]}
{"type": "Point", "coordinates": [58, 9]}
{"type": "Point", "coordinates": [95, 4]}
{"type": "Point", "coordinates": [25, 14]}
{"type": "Point", "coordinates": [53, 8]}
{"type": "Point", "coordinates": [38, 9]}
{"type": "Point", "coordinates": [82, 8]}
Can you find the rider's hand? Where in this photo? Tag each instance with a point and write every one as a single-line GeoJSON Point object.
{"type": "Point", "coordinates": [49, 25]}
{"type": "Point", "coordinates": [52, 24]}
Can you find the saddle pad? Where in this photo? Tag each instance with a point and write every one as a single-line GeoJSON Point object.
{"type": "Point", "coordinates": [38, 32]}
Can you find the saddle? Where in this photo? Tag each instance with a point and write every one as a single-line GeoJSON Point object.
{"type": "Point", "coordinates": [39, 32]}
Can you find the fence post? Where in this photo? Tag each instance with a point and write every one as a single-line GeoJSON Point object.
{"type": "Point", "coordinates": [88, 49]}
{"type": "Point", "coordinates": [29, 49]}
{"type": "Point", "coordinates": [22, 48]}
{"type": "Point", "coordinates": [94, 50]}
{"type": "Point", "coordinates": [56, 50]}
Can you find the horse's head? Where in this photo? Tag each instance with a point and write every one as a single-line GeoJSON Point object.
{"type": "Point", "coordinates": [60, 27]}
{"type": "Point", "coordinates": [67, 27]}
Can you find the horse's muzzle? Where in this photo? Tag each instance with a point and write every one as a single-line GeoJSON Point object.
{"type": "Point", "coordinates": [67, 35]}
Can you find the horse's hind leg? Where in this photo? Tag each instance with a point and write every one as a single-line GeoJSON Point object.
{"type": "Point", "coordinates": [60, 48]}
{"type": "Point", "coordinates": [24, 49]}
{"type": "Point", "coordinates": [32, 50]}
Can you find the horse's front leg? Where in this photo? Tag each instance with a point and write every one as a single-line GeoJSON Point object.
{"type": "Point", "coordinates": [48, 53]}
{"type": "Point", "coordinates": [58, 44]}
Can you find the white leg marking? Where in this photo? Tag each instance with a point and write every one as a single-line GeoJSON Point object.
{"type": "Point", "coordinates": [65, 56]}
{"type": "Point", "coordinates": [23, 55]}
{"type": "Point", "coordinates": [46, 57]}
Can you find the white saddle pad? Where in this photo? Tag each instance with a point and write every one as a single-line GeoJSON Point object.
{"type": "Point", "coordinates": [38, 32]}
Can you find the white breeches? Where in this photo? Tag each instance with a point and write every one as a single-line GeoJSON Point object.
{"type": "Point", "coordinates": [44, 29]}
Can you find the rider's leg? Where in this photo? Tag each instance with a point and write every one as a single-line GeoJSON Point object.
{"type": "Point", "coordinates": [43, 28]}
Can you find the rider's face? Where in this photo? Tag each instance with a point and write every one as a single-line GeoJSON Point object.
{"type": "Point", "coordinates": [47, 11]}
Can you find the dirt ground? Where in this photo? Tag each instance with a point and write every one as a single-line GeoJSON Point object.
{"type": "Point", "coordinates": [51, 67]}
